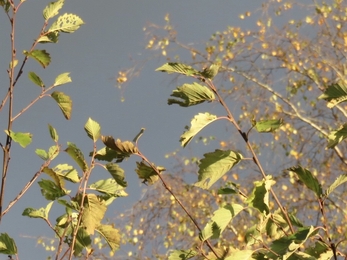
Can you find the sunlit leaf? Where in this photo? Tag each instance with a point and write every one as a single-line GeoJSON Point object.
{"type": "Point", "coordinates": [38, 213]}
{"type": "Point", "coordinates": [108, 186]}
{"type": "Point", "coordinates": [308, 179]}
{"type": "Point", "coordinates": [42, 154]}
{"type": "Point", "coordinates": [92, 129]}
{"type": "Point", "coordinates": [259, 198]}
{"type": "Point", "coordinates": [197, 124]}
{"type": "Point", "coordinates": [52, 9]}
{"type": "Point", "coordinates": [182, 254]}
{"type": "Point", "coordinates": [41, 56]}
{"type": "Point", "coordinates": [53, 133]}
{"type": "Point", "coordinates": [214, 165]}
{"type": "Point", "coordinates": [173, 67]}
{"type": "Point", "coordinates": [58, 181]}
{"type": "Point", "coordinates": [23, 139]}
{"type": "Point", "coordinates": [340, 180]}
{"type": "Point", "coordinates": [67, 23]}
{"type": "Point", "coordinates": [14, 64]}
{"type": "Point", "coordinates": [7, 245]}
{"type": "Point", "coordinates": [191, 94]}
{"type": "Point", "coordinates": [111, 235]}
{"type": "Point", "coordinates": [335, 94]}
{"type": "Point", "coordinates": [77, 155]}
{"type": "Point", "coordinates": [64, 102]}
{"type": "Point", "coordinates": [62, 79]}
{"type": "Point", "coordinates": [53, 151]}
{"type": "Point", "coordinates": [147, 173]}
{"type": "Point", "coordinates": [337, 136]}
{"type": "Point", "coordinates": [117, 173]}
{"type": "Point", "coordinates": [93, 213]}
{"type": "Point", "coordinates": [67, 172]}
{"type": "Point", "coordinates": [245, 254]}
{"type": "Point", "coordinates": [35, 79]}
{"type": "Point", "coordinates": [51, 37]}
{"type": "Point", "coordinates": [266, 126]}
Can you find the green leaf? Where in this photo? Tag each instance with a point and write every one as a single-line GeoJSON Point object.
{"type": "Point", "coordinates": [7, 245]}
{"type": "Point", "coordinates": [110, 234]}
{"type": "Point", "coordinates": [36, 79]}
{"type": "Point", "coordinates": [83, 241]}
{"type": "Point", "coordinates": [67, 23]}
{"type": "Point", "coordinates": [211, 72]}
{"type": "Point", "coordinates": [340, 180]}
{"type": "Point", "coordinates": [57, 180]}
{"type": "Point", "coordinates": [38, 213]}
{"type": "Point", "coordinates": [93, 129]}
{"type": "Point", "coordinates": [182, 254]}
{"type": "Point", "coordinates": [53, 151]}
{"type": "Point", "coordinates": [42, 154]}
{"type": "Point", "coordinates": [93, 213]}
{"type": "Point", "coordinates": [23, 139]}
{"type": "Point", "coordinates": [191, 94]}
{"type": "Point", "coordinates": [320, 251]}
{"type": "Point", "coordinates": [147, 173]}
{"type": "Point", "coordinates": [77, 155]}
{"type": "Point", "coordinates": [214, 165]}
{"type": "Point", "coordinates": [266, 126]}
{"type": "Point", "coordinates": [198, 122]}
{"type": "Point", "coordinates": [51, 37]}
{"type": "Point", "coordinates": [64, 102]}
{"type": "Point", "coordinates": [259, 198]}
{"type": "Point", "coordinates": [67, 172]}
{"type": "Point", "coordinates": [337, 136]}
{"type": "Point", "coordinates": [240, 255]}
{"type": "Point", "coordinates": [174, 67]}
{"type": "Point", "coordinates": [52, 9]}
{"type": "Point", "coordinates": [107, 154]}
{"type": "Point", "coordinates": [62, 79]}
{"type": "Point", "coordinates": [124, 149]}
{"type": "Point", "coordinates": [308, 179]}
{"type": "Point", "coordinates": [109, 187]}
{"type": "Point", "coordinates": [50, 190]}
{"type": "Point", "coordinates": [53, 133]}
{"type": "Point", "coordinates": [117, 173]}
{"type": "Point", "coordinates": [335, 94]}
{"type": "Point", "coordinates": [41, 56]}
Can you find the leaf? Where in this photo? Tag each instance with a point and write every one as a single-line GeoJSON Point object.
{"type": "Point", "coordinates": [308, 179]}
{"type": "Point", "coordinates": [51, 37]}
{"type": "Point", "coordinates": [15, 63]}
{"type": "Point", "coordinates": [107, 154]}
{"type": "Point", "coordinates": [117, 173]}
{"type": "Point", "coordinates": [320, 251]}
{"type": "Point", "coordinates": [7, 245]}
{"type": "Point", "coordinates": [53, 151]}
{"type": "Point", "coordinates": [64, 102]}
{"type": "Point", "coordinates": [57, 180]}
{"type": "Point", "coordinates": [23, 139]}
{"type": "Point", "coordinates": [67, 172]}
{"type": "Point", "coordinates": [66, 23]}
{"type": "Point", "coordinates": [211, 72]}
{"type": "Point", "coordinates": [111, 235]}
{"type": "Point", "coordinates": [214, 165]}
{"type": "Point", "coordinates": [93, 213]}
{"type": "Point", "coordinates": [92, 129]}
{"type": "Point", "coordinates": [83, 241]}
{"type": "Point", "coordinates": [259, 198]}
{"type": "Point", "coordinates": [109, 187]}
{"type": "Point", "coordinates": [36, 79]}
{"type": "Point", "coordinates": [62, 79]}
{"type": "Point", "coordinates": [52, 9]}
{"type": "Point", "coordinates": [41, 56]}
{"type": "Point", "coordinates": [124, 149]}
{"type": "Point", "coordinates": [42, 154]}
{"type": "Point", "coordinates": [266, 126]}
{"type": "Point", "coordinates": [340, 180]}
{"type": "Point", "coordinates": [53, 133]}
{"type": "Point", "coordinates": [50, 190]}
{"type": "Point", "coordinates": [174, 67]}
{"type": "Point", "coordinates": [77, 155]}
{"type": "Point", "coordinates": [335, 94]}
{"type": "Point", "coordinates": [38, 213]}
{"type": "Point", "coordinates": [337, 136]}
{"type": "Point", "coordinates": [147, 173]}
{"type": "Point", "coordinates": [240, 255]}
{"type": "Point", "coordinates": [182, 254]}
{"type": "Point", "coordinates": [198, 122]}
{"type": "Point", "coordinates": [191, 94]}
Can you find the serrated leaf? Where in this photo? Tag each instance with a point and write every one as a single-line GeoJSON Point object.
{"type": "Point", "coordinates": [108, 186]}
{"type": "Point", "coordinates": [340, 180]}
{"type": "Point", "coordinates": [110, 234]}
{"type": "Point", "coordinates": [23, 139]}
{"type": "Point", "coordinates": [191, 94]}
{"type": "Point", "coordinates": [174, 67]}
{"type": "Point", "coordinates": [64, 102]}
{"type": "Point", "coordinates": [308, 179]}
{"type": "Point", "coordinates": [67, 172]}
{"type": "Point", "coordinates": [41, 56]}
{"type": "Point", "coordinates": [36, 79]}
{"type": "Point", "coordinates": [52, 9]}
{"type": "Point", "coordinates": [57, 180]}
{"type": "Point", "coordinates": [93, 213]}
{"type": "Point", "coordinates": [117, 173]}
{"type": "Point", "coordinates": [50, 190]}
{"type": "Point", "coordinates": [51, 37]}
{"type": "Point", "coordinates": [124, 149]}
{"type": "Point", "coordinates": [107, 154]}
{"type": "Point", "coordinates": [7, 245]}
{"type": "Point", "coordinates": [83, 241]}
{"type": "Point", "coordinates": [67, 23]}
{"type": "Point", "coordinates": [197, 124]}
{"type": "Point", "coordinates": [92, 129]}
{"type": "Point", "coordinates": [146, 172]}
{"type": "Point", "coordinates": [182, 254]}
{"type": "Point", "coordinates": [337, 136]}
{"type": "Point", "coordinates": [77, 155]}
{"type": "Point", "coordinates": [38, 213]}
{"type": "Point", "coordinates": [266, 126]}
{"type": "Point", "coordinates": [259, 198]}
{"type": "Point", "coordinates": [53, 133]}
{"type": "Point", "coordinates": [42, 154]}
{"type": "Point", "coordinates": [335, 94]}
{"type": "Point", "coordinates": [214, 165]}
{"type": "Point", "coordinates": [62, 79]}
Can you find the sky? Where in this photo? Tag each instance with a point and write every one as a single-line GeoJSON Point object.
{"type": "Point", "coordinates": [111, 39]}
